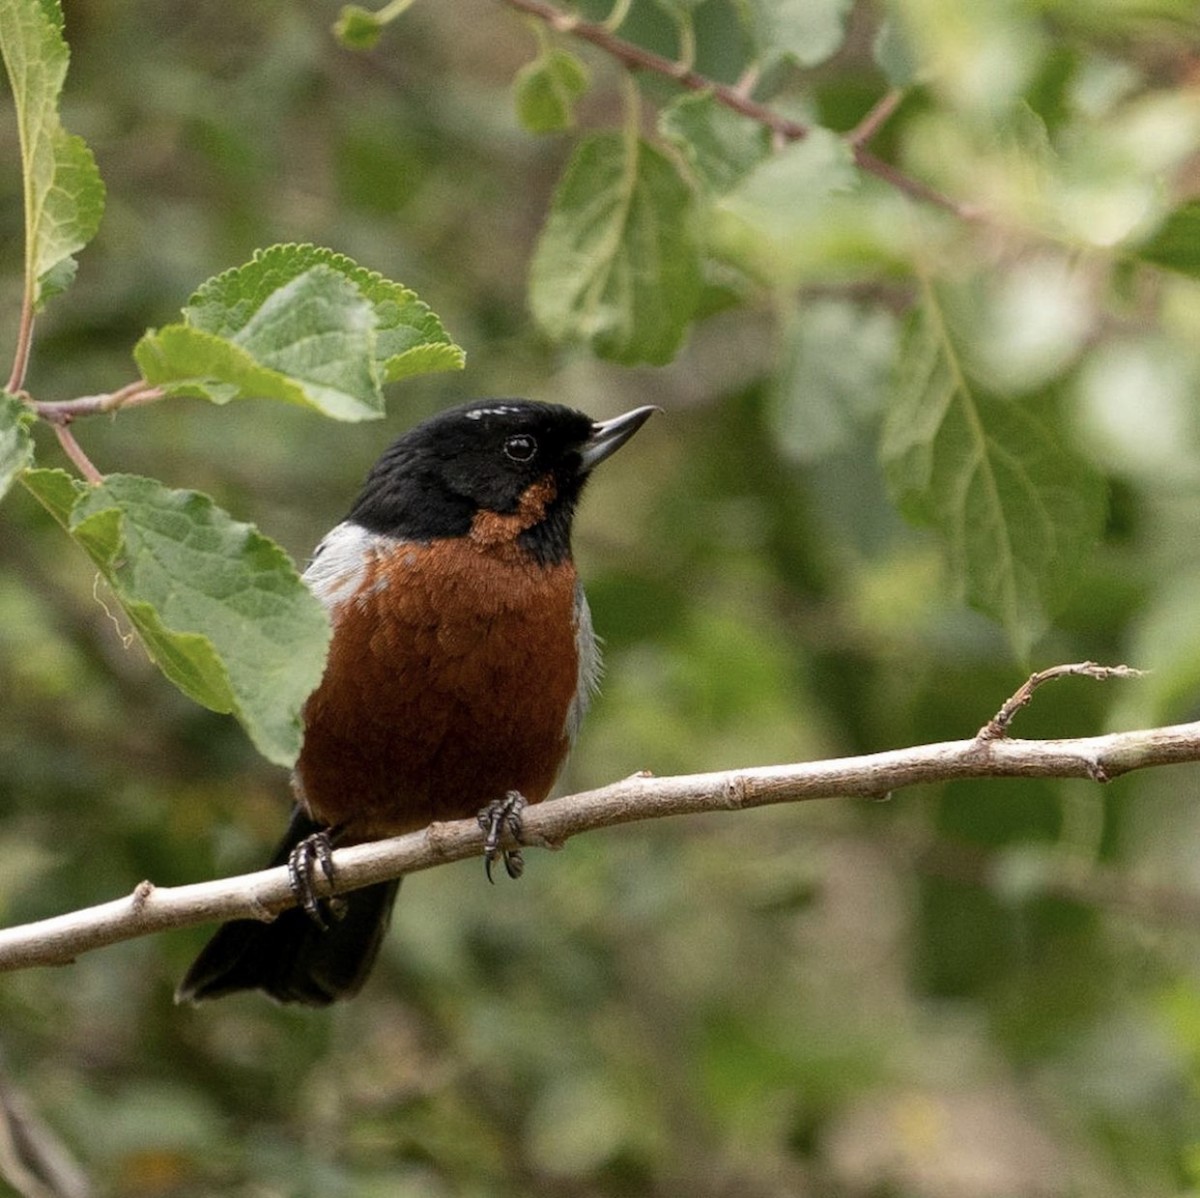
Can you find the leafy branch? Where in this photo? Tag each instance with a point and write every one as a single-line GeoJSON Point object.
{"type": "Point", "coordinates": [219, 607]}
{"type": "Point", "coordinates": [989, 754]}
{"type": "Point", "coordinates": [738, 99]}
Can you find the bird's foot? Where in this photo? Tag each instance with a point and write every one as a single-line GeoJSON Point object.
{"type": "Point", "coordinates": [303, 861]}
{"type": "Point", "coordinates": [500, 816]}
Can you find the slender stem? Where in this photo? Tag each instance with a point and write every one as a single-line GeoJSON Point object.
{"type": "Point", "coordinates": [637, 59]}
{"type": "Point", "coordinates": [389, 12]}
{"type": "Point", "coordinates": [616, 18]}
{"type": "Point", "coordinates": [687, 42]}
{"type": "Point", "coordinates": [866, 129]}
{"type": "Point", "coordinates": [16, 380]}
{"type": "Point", "coordinates": [130, 396]}
{"type": "Point", "coordinates": [74, 451]}
{"type": "Point", "coordinates": [914, 187]}
{"type": "Point", "coordinates": [737, 98]}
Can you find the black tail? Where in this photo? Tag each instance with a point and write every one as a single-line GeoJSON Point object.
{"type": "Point", "coordinates": [292, 959]}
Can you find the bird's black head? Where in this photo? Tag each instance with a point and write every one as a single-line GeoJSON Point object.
{"type": "Point", "coordinates": [509, 458]}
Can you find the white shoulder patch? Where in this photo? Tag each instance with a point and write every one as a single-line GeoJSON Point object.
{"type": "Point", "coordinates": [339, 563]}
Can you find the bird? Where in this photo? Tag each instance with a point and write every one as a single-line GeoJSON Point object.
{"type": "Point", "coordinates": [461, 664]}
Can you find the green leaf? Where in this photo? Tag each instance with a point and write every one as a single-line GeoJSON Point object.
{"type": "Point", "coordinates": [1165, 642]}
{"type": "Point", "coordinates": [783, 192]}
{"type": "Point", "coordinates": [1018, 513]}
{"type": "Point", "coordinates": [63, 192]}
{"type": "Point", "coordinates": [836, 361]}
{"type": "Point", "coordinates": [617, 263]}
{"type": "Point", "coordinates": [300, 324]}
{"type": "Point", "coordinates": [720, 146]}
{"type": "Point", "coordinates": [16, 445]}
{"type": "Point", "coordinates": [806, 31]}
{"type": "Point", "coordinates": [56, 491]}
{"type": "Point", "coordinates": [546, 89]}
{"type": "Point", "coordinates": [358, 28]}
{"type": "Point", "coordinates": [1176, 244]}
{"type": "Point", "coordinates": [219, 607]}
{"type": "Point", "coordinates": [893, 52]}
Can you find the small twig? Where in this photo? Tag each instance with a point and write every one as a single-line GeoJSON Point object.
{"type": "Point", "coordinates": [866, 129]}
{"type": "Point", "coordinates": [16, 379]}
{"type": "Point", "coordinates": [635, 58]}
{"type": "Point", "coordinates": [74, 451]}
{"type": "Point", "coordinates": [737, 97]}
{"type": "Point", "coordinates": [616, 18]}
{"type": "Point", "coordinates": [914, 187]}
{"type": "Point", "coordinates": [997, 727]}
{"type": "Point", "coordinates": [66, 410]}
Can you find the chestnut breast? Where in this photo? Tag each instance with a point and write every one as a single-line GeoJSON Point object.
{"type": "Point", "coordinates": [452, 678]}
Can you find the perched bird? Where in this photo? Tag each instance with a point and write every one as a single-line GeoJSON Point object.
{"type": "Point", "coordinates": [461, 665]}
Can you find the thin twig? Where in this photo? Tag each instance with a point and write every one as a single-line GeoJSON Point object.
{"type": "Point", "coordinates": [1100, 758]}
{"type": "Point", "coordinates": [638, 59]}
{"type": "Point", "coordinates": [74, 451]}
{"type": "Point", "coordinates": [129, 396]}
{"type": "Point", "coordinates": [16, 379]}
{"type": "Point", "coordinates": [878, 116]}
{"type": "Point", "coordinates": [736, 97]}
{"type": "Point", "coordinates": [914, 187]}
{"type": "Point", "coordinates": [999, 724]}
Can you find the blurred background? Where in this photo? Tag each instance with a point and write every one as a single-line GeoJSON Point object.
{"type": "Point", "coordinates": [974, 990]}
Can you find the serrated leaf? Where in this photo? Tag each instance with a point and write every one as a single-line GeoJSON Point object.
{"type": "Point", "coordinates": [617, 264]}
{"type": "Point", "coordinates": [546, 89]}
{"type": "Point", "coordinates": [1176, 243]}
{"type": "Point", "coordinates": [806, 31]}
{"type": "Point", "coordinates": [720, 146]}
{"type": "Point", "coordinates": [63, 192]}
{"type": "Point", "coordinates": [1017, 512]}
{"type": "Point", "coordinates": [219, 607]}
{"type": "Point", "coordinates": [301, 324]}
{"type": "Point", "coordinates": [16, 445]}
{"type": "Point", "coordinates": [56, 491]}
{"type": "Point", "coordinates": [310, 342]}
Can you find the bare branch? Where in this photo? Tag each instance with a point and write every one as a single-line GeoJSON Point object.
{"type": "Point", "coordinates": [65, 410]}
{"type": "Point", "coordinates": [641, 797]}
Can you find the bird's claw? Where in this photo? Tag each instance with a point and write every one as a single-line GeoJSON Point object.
{"type": "Point", "coordinates": [312, 852]}
{"type": "Point", "coordinates": [500, 816]}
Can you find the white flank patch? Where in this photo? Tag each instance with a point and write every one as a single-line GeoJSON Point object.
{"type": "Point", "coordinates": [339, 563]}
{"type": "Point", "coordinates": [587, 681]}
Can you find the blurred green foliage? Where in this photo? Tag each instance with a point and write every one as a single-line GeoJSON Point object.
{"type": "Point", "coordinates": [976, 989]}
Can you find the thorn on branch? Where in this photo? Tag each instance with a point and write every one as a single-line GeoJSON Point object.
{"type": "Point", "coordinates": [997, 727]}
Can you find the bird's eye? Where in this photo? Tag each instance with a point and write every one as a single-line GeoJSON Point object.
{"type": "Point", "coordinates": [520, 447]}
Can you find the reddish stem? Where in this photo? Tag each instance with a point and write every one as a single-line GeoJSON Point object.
{"type": "Point", "coordinates": [74, 451]}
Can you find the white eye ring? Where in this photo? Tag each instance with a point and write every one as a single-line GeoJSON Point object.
{"type": "Point", "coordinates": [520, 447]}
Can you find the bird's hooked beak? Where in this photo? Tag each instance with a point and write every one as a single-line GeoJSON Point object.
{"type": "Point", "coordinates": [609, 435]}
